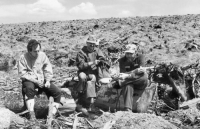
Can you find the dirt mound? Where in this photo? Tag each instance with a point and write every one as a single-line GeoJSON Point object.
{"type": "Point", "coordinates": [187, 117]}
{"type": "Point", "coordinates": [162, 39]}
{"type": "Point", "coordinates": [127, 120]}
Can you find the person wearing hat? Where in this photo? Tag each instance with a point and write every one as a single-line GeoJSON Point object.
{"type": "Point", "coordinates": [35, 71]}
{"type": "Point", "coordinates": [134, 76]}
{"type": "Point", "coordinates": [87, 60]}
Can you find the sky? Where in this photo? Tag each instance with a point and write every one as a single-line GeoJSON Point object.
{"type": "Point", "coordinates": [21, 11]}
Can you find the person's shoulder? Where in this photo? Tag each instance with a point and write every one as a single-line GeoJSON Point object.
{"type": "Point", "coordinates": [22, 56]}
{"type": "Point", "coordinates": [140, 55]}
{"type": "Point", "coordinates": [83, 50]}
{"type": "Point", "coordinates": [121, 59]}
{"type": "Point", "coordinates": [41, 53]}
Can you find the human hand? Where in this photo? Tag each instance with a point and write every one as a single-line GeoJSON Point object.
{"type": "Point", "coordinates": [41, 85]}
{"type": "Point", "coordinates": [47, 84]}
{"type": "Point", "coordinates": [37, 82]}
{"type": "Point", "coordinates": [96, 62]}
{"type": "Point", "coordinates": [105, 80]}
{"type": "Point", "coordinates": [141, 70]}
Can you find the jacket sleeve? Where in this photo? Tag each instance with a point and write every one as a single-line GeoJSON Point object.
{"type": "Point", "coordinates": [23, 70]}
{"type": "Point", "coordinates": [47, 68]}
{"type": "Point", "coordinates": [81, 61]}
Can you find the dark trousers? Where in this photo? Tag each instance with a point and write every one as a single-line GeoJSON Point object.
{"type": "Point", "coordinates": [29, 89]}
{"type": "Point", "coordinates": [128, 89]}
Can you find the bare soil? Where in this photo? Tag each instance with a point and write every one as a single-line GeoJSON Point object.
{"type": "Point", "coordinates": [166, 39]}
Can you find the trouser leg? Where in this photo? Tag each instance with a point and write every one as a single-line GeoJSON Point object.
{"type": "Point", "coordinates": [28, 94]}
{"type": "Point", "coordinates": [91, 90]}
{"type": "Point", "coordinates": [139, 84]}
{"type": "Point", "coordinates": [24, 99]}
{"type": "Point", "coordinates": [128, 92]}
{"type": "Point", "coordinates": [82, 82]}
{"type": "Point", "coordinates": [55, 92]}
{"type": "Point", "coordinates": [90, 86]}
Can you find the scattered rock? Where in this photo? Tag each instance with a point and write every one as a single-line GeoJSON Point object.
{"type": "Point", "coordinates": [127, 120]}
{"type": "Point", "coordinates": [7, 117]}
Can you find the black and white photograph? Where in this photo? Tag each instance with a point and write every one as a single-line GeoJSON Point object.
{"type": "Point", "coordinates": [99, 64]}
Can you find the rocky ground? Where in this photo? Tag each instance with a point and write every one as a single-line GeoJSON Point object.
{"type": "Point", "coordinates": [173, 39]}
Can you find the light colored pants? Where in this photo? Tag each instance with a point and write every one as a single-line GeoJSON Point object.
{"type": "Point", "coordinates": [87, 84]}
{"type": "Point", "coordinates": [128, 89]}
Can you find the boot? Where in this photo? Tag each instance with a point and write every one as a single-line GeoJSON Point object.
{"type": "Point", "coordinates": [32, 116]}
{"type": "Point", "coordinates": [127, 109]}
{"type": "Point", "coordinates": [33, 120]}
{"type": "Point", "coordinates": [91, 107]}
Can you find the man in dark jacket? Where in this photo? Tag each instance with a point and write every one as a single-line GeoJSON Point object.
{"type": "Point", "coordinates": [87, 60]}
{"type": "Point", "coordinates": [135, 76]}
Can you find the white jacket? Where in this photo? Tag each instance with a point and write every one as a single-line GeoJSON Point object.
{"type": "Point", "coordinates": [31, 68]}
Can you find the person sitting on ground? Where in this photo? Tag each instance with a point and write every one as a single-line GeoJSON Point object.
{"type": "Point", "coordinates": [135, 77]}
{"type": "Point", "coordinates": [35, 71]}
{"type": "Point", "coordinates": [87, 60]}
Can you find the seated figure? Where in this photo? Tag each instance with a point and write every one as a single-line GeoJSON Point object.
{"type": "Point", "coordinates": [135, 77]}
{"type": "Point", "coordinates": [87, 60]}
{"type": "Point", "coordinates": [35, 71]}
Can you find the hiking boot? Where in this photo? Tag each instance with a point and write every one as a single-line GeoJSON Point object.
{"type": "Point", "coordinates": [32, 116]}
{"type": "Point", "coordinates": [91, 108]}
{"type": "Point", "coordinates": [128, 109]}
{"type": "Point", "coordinates": [33, 120]}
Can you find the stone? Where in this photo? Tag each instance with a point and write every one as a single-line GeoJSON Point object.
{"type": "Point", "coordinates": [7, 117]}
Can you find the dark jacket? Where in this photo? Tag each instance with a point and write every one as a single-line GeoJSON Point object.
{"type": "Point", "coordinates": [127, 66]}
{"type": "Point", "coordinates": [84, 56]}
{"type": "Point", "coordinates": [137, 78]}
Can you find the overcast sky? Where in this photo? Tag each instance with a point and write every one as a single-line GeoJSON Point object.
{"type": "Point", "coordinates": [20, 11]}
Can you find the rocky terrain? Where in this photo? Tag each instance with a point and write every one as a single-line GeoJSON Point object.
{"type": "Point", "coordinates": [173, 39]}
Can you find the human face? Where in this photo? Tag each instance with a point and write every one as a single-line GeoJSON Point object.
{"type": "Point", "coordinates": [90, 46]}
{"type": "Point", "coordinates": [129, 55]}
{"type": "Point", "coordinates": [35, 51]}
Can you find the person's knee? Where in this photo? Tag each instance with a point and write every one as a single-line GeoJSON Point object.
{"type": "Point", "coordinates": [82, 76]}
{"type": "Point", "coordinates": [92, 78]}
{"type": "Point", "coordinates": [57, 97]}
{"type": "Point", "coordinates": [29, 90]}
{"type": "Point", "coordinates": [129, 86]}
{"type": "Point", "coordinates": [55, 92]}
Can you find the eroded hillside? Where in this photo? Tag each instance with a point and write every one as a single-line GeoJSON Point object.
{"type": "Point", "coordinates": [173, 39]}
